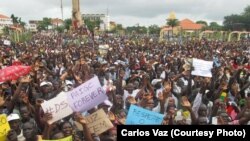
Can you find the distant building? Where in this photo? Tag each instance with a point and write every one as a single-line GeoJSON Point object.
{"type": "Point", "coordinates": [57, 22]}
{"type": "Point", "coordinates": [112, 25]}
{"type": "Point", "coordinates": [105, 19]}
{"type": "Point", "coordinates": [188, 25]}
{"type": "Point", "coordinates": [5, 21]}
{"type": "Point", "coordinates": [32, 25]}
{"type": "Point", "coordinates": [185, 25]}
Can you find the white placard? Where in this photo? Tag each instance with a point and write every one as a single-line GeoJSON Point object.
{"type": "Point", "coordinates": [202, 68]}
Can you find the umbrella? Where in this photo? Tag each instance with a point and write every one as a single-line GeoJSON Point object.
{"type": "Point", "coordinates": [13, 72]}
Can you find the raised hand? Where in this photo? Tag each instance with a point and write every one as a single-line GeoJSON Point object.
{"type": "Point", "coordinates": [185, 102]}
{"type": "Point", "coordinates": [25, 79]}
{"type": "Point", "coordinates": [167, 87]}
{"type": "Point", "coordinates": [2, 99]}
{"type": "Point", "coordinates": [79, 118]}
{"type": "Point", "coordinates": [47, 117]}
{"type": "Point", "coordinates": [39, 102]}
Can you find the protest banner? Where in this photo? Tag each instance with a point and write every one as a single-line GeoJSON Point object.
{"type": "Point", "coordinates": [202, 68]}
{"type": "Point", "coordinates": [140, 116]}
{"type": "Point", "coordinates": [58, 107]}
{"type": "Point", "coordinates": [4, 127]}
{"type": "Point", "coordinates": [87, 95]}
{"type": "Point", "coordinates": [69, 138]}
{"type": "Point", "coordinates": [98, 122]}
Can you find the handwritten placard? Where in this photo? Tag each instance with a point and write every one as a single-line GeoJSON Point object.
{"type": "Point", "coordinates": [140, 116]}
{"type": "Point", "coordinates": [98, 122]}
{"type": "Point", "coordinates": [4, 127]}
{"type": "Point", "coordinates": [58, 106]}
{"type": "Point", "coordinates": [202, 68]}
{"type": "Point", "coordinates": [87, 95]}
{"type": "Point", "coordinates": [69, 138]}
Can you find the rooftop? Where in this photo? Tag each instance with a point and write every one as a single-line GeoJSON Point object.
{"type": "Point", "coordinates": [187, 24]}
{"type": "Point", "coordinates": [4, 17]}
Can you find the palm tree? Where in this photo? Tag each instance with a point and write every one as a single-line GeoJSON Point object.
{"type": "Point", "coordinates": [173, 23]}
{"type": "Point", "coordinates": [14, 18]}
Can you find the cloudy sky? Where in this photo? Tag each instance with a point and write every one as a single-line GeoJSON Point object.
{"type": "Point", "coordinates": [128, 12]}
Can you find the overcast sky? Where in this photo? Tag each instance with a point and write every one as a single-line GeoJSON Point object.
{"type": "Point", "coordinates": [128, 12]}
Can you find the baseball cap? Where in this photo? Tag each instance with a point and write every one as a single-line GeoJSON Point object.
{"type": "Point", "coordinates": [44, 83]}
{"type": "Point", "coordinates": [68, 82]}
{"type": "Point", "coordinates": [13, 116]}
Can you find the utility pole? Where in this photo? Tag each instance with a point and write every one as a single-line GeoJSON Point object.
{"type": "Point", "coordinates": [62, 9]}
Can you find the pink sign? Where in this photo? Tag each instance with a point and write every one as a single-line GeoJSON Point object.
{"type": "Point", "coordinates": [87, 95]}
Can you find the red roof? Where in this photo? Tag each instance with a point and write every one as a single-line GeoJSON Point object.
{"type": "Point", "coordinates": [187, 24]}
{"type": "Point", "coordinates": [4, 17]}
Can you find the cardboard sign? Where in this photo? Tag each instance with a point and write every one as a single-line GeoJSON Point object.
{"type": "Point", "coordinates": [98, 122]}
{"type": "Point", "coordinates": [4, 127]}
{"type": "Point", "coordinates": [202, 68]}
{"type": "Point", "coordinates": [140, 116]}
{"type": "Point", "coordinates": [58, 106]}
{"type": "Point", "coordinates": [69, 138]}
{"type": "Point", "coordinates": [87, 95]}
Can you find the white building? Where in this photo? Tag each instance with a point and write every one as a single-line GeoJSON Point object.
{"type": "Point", "coordinates": [105, 19]}
{"type": "Point", "coordinates": [5, 21]}
{"type": "Point", "coordinates": [32, 26]}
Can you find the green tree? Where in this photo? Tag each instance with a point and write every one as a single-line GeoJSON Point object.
{"type": "Point", "coordinates": [17, 20]}
{"type": "Point", "coordinates": [246, 18]}
{"type": "Point", "coordinates": [136, 29]}
{"type": "Point", "coordinates": [154, 29]}
{"type": "Point", "coordinates": [92, 24]}
{"type": "Point", "coordinates": [21, 22]}
{"type": "Point", "coordinates": [233, 22]}
{"type": "Point", "coordinates": [6, 30]}
{"type": "Point", "coordinates": [14, 19]}
{"type": "Point", "coordinates": [173, 23]}
{"type": "Point", "coordinates": [130, 29]}
{"type": "Point", "coordinates": [246, 11]}
{"type": "Point", "coordinates": [215, 26]}
{"type": "Point", "coordinates": [60, 29]}
{"type": "Point", "coordinates": [202, 22]}
{"type": "Point", "coordinates": [142, 30]}
{"type": "Point", "coordinates": [44, 24]}
{"type": "Point", "coordinates": [67, 23]}
{"type": "Point", "coordinates": [119, 27]}
{"type": "Point", "coordinates": [238, 21]}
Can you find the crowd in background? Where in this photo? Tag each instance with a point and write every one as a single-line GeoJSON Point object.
{"type": "Point", "coordinates": [132, 70]}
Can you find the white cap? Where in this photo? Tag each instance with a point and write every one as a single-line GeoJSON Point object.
{"type": "Point", "coordinates": [67, 82]}
{"type": "Point", "coordinates": [13, 116]}
{"type": "Point", "coordinates": [155, 81]}
{"type": "Point", "coordinates": [44, 83]}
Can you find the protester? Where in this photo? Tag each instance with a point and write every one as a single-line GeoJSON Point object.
{"type": "Point", "coordinates": [132, 71]}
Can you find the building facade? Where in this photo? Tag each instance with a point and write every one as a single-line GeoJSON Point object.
{"type": "Point", "coordinates": [57, 22]}
{"type": "Point", "coordinates": [32, 26]}
{"type": "Point", "coordinates": [5, 21]}
{"type": "Point", "coordinates": [105, 20]}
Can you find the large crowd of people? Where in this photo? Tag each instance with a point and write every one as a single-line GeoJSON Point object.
{"type": "Point", "coordinates": [133, 70]}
